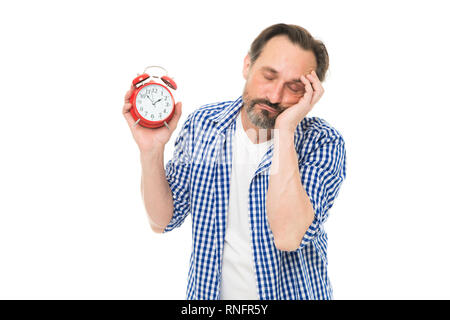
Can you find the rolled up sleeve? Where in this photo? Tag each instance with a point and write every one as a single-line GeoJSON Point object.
{"type": "Point", "coordinates": [178, 172]}
{"type": "Point", "coordinates": [322, 172]}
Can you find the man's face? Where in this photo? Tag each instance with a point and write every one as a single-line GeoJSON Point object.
{"type": "Point", "coordinates": [273, 80]}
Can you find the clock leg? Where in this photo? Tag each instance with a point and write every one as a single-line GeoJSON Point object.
{"type": "Point", "coordinates": [134, 125]}
{"type": "Point", "coordinates": [165, 123]}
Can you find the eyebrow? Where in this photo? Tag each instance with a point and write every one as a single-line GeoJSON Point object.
{"type": "Point", "coordinates": [272, 70]}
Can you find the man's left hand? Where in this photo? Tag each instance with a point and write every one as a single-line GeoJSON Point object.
{"type": "Point", "coordinates": [292, 116]}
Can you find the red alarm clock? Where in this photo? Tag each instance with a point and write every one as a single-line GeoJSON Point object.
{"type": "Point", "coordinates": [152, 101]}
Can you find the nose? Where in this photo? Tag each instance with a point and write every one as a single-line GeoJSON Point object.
{"type": "Point", "coordinates": [275, 95]}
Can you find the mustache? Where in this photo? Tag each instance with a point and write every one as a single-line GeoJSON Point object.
{"type": "Point", "coordinates": [275, 106]}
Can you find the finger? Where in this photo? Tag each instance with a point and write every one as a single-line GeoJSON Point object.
{"type": "Point", "coordinates": [176, 116]}
{"type": "Point", "coordinates": [314, 74]}
{"type": "Point", "coordinates": [128, 94]}
{"type": "Point", "coordinates": [316, 97]}
{"type": "Point", "coordinates": [317, 86]}
{"type": "Point", "coordinates": [126, 107]}
{"type": "Point", "coordinates": [126, 113]}
{"type": "Point", "coordinates": [315, 82]}
{"type": "Point", "coordinates": [308, 89]}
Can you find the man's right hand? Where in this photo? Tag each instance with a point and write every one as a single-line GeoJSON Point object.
{"type": "Point", "coordinates": [149, 139]}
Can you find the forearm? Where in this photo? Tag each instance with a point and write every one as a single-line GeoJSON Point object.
{"type": "Point", "coordinates": [289, 209]}
{"type": "Point", "coordinates": [155, 190]}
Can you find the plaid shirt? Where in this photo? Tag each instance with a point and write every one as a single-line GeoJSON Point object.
{"type": "Point", "coordinates": [199, 177]}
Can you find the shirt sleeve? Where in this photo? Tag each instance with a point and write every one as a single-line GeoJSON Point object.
{"type": "Point", "coordinates": [322, 172]}
{"type": "Point", "coordinates": [178, 173]}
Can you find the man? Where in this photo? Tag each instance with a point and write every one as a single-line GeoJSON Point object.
{"type": "Point", "coordinates": [257, 176]}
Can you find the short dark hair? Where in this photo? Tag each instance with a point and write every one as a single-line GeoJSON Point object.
{"type": "Point", "coordinates": [297, 35]}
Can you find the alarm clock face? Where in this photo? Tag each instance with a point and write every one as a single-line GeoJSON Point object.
{"type": "Point", "coordinates": [154, 102]}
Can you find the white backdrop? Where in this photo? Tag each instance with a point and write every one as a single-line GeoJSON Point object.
{"type": "Point", "coordinates": [72, 223]}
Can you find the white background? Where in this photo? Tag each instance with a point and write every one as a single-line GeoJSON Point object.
{"type": "Point", "coordinates": [72, 224]}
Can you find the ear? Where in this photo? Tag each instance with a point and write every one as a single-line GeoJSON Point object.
{"type": "Point", "coordinates": [246, 68]}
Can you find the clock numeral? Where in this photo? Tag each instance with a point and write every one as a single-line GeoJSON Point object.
{"type": "Point", "coordinates": [164, 111]}
{"type": "Point", "coordinates": [146, 112]}
{"type": "Point", "coordinates": [152, 116]}
{"type": "Point", "coordinates": [141, 109]}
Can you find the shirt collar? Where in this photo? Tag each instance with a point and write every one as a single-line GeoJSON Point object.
{"type": "Point", "coordinates": [227, 115]}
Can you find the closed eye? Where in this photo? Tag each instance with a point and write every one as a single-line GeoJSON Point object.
{"type": "Point", "coordinates": [296, 87]}
{"type": "Point", "coordinates": [269, 76]}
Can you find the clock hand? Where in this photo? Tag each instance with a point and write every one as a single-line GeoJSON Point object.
{"type": "Point", "coordinates": [158, 101]}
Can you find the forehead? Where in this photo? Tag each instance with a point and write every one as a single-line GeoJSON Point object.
{"type": "Point", "coordinates": [288, 58]}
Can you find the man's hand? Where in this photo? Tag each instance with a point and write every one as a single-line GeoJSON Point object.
{"type": "Point", "coordinates": [149, 139]}
{"type": "Point", "coordinates": [292, 116]}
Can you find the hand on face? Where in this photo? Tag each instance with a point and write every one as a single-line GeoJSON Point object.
{"type": "Point", "coordinates": [292, 116]}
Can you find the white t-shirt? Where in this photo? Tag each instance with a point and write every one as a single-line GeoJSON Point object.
{"type": "Point", "coordinates": [238, 273]}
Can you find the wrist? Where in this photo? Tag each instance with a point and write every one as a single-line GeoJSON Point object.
{"type": "Point", "coordinates": [156, 151]}
{"type": "Point", "coordinates": [285, 134]}
{"type": "Point", "coordinates": [286, 128]}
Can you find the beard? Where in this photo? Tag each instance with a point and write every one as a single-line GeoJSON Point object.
{"type": "Point", "coordinates": [259, 117]}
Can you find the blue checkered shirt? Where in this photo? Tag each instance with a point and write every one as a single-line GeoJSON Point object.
{"type": "Point", "coordinates": [199, 176]}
